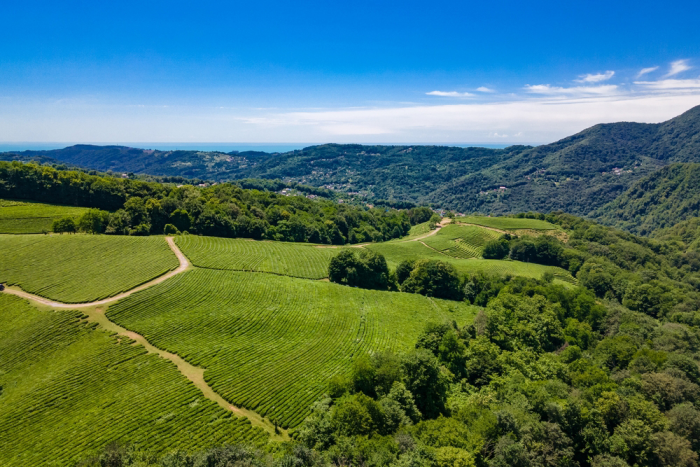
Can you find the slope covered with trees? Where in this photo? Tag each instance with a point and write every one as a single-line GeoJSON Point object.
{"type": "Point", "coordinates": [660, 200]}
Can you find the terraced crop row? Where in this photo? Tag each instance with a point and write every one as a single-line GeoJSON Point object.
{"type": "Point", "coordinates": [270, 343]}
{"type": "Point", "coordinates": [461, 241]}
{"type": "Point", "coordinates": [507, 223]}
{"type": "Point", "coordinates": [67, 390]}
{"type": "Point", "coordinates": [82, 268]}
{"type": "Point", "coordinates": [22, 217]}
{"type": "Point", "coordinates": [290, 259]}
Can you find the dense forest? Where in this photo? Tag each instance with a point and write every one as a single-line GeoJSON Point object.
{"type": "Point", "coordinates": [602, 374]}
{"type": "Point", "coordinates": [133, 207]}
{"type": "Point", "coordinates": [658, 201]}
{"type": "Point", "coordinates": [577, 174]}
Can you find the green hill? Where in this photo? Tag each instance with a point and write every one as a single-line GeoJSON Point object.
{"type": "Point", "coordinates": [577, 174]}
{"type": "Point", "coordinates": [660, 200]}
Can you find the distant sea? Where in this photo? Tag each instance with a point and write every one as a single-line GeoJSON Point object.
{"type": "Point", "coordinates": [226, 147]}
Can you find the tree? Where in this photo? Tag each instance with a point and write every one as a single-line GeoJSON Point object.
{"type": "Point", "coordinates": [425, 381]}
{"type": "Point", "coordinates": [93, 221]}
{"type": "Point", "coordinates": [367, 270]}
{"type": "Point", "coordinates": [496, 249]}
{"type": "Point", "coordinates": [181, 219]}
{"type": "Point", "coordinates": [435, 279]}
{"type": "Point", "coordinates": [65, 224]}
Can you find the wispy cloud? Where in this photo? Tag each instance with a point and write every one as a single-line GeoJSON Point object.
{"type": "Point", "coordinates": [448, 94]}
{"type": "Point", "coordinates": [679, 66]}
{"type": "Point", "coordinates": [645, 71]}
{"type": "Point", "coordinates": [546, 89]}
{"type": "Point", "coordinates": [485, 89]}
{"type": "Point", "coordinates": [670, 84]}
{"type": "Point", "coordinates": [595, 78]}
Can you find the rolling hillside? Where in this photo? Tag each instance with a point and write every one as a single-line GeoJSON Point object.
{"type": "Point", "coordinates": [577, 174]}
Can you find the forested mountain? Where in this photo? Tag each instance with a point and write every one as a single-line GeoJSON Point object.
{"type": "Point", "coordinates": [687, 232]}
{"type": "Point", "coordinates": [660, 200]}
{"type": "Point", "coordinates": [577, 174]}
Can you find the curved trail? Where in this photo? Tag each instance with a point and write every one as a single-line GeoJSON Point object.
{"type": "Point", "coordinates": [96, 313]}
{"type": "Point", "coordinates": [184, 266]}
{"type": "Point", "coordinates": [442, 223]}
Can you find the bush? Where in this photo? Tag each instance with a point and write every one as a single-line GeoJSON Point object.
{"type": "Point", "coordinates": [170, 229]}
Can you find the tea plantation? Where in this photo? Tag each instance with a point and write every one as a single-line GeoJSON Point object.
{"type": "Point", "coordinates": [67, 389]}
{"type": "Point", "coordinates": [270, 343]}
{"type": "Point", "coordinates": [507, 223]}
{"type": "Point", "coordinates": [290, 259]}
{"type": "Point", "coordinates": [25, 217]}
{"type": "Point", "coordinates": [461, 241]}
{"type": "Point", "coordinates": [82, 268]}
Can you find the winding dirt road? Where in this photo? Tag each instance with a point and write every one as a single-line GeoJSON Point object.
{"type": "Point", "coordinates": [184, 266]}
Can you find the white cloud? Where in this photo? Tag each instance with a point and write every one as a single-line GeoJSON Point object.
{"type": "Point", "coordinates": [645, 71]}
{"type": "Point", "coordinates": [485, 89]}
{"type": "Point", "coordinates": [670, 84]}
{"type": "Point", "coordinates": [448, 94]}
{"type": "Point", "coordinates": [679, 66]}
{"type": "Point", "coordinates": [595, 78]}
{"type": "Point", "coordinates": [546, 89]}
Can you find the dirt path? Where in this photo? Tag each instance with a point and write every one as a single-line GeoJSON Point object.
{"type": "Point", "coordinates": [442, 224]}
{"type": "Point", "coordinates": [96, 313]}
{"type": "Point", "coordinates": [184, 265]}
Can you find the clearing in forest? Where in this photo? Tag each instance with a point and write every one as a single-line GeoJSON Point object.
{"type": "Point", "coordinates": [67, 388]}
{"type": "Point", "coordinates": [82, 268]}
{"type": "Point", "coordinates": [235, 254]}
{"type": "Point", "coordinates": [27, 217]}
{"type": "Point", "coordinates": [270, 343]}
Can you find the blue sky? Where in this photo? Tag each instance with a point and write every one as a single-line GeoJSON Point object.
{"type": "Point", "coordinates": [341, 71]}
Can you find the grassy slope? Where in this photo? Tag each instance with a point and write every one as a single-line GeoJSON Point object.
{"type": "Point", "coordinates": [22, 217]}
{"type": "Point", "coordinates": [270, 343]}
{"type": "Point", "coordinates": [507, 223]}
{"type": "Point", "coordinates": [291, 259]}
{"type": "Point", "coordinates": [397, 252]}
{"type": "Point", "coordinates": [68, 390]}
{"type": "Point", "coordinates": [82, 268]}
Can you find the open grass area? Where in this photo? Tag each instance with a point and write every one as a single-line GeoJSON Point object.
{"type": "Point", "coordinates": [461, 241]}
{"type": "Point", "coordinates": [416, 231]}
{"type": "Point", "coordinates": [82, 268]}
{"type": "Point", "coordinates": [397, 252]}
{"type": "Point", "coordinates": [25, 217]}
{"type": "Point", "coordinates": [68, 389]}
{"type": "Point", "coordinates": [290, 259]}
{"type": "Point", "coordinates": [507, 223]}
{"type": "Point", "coordinates": [270, 343]}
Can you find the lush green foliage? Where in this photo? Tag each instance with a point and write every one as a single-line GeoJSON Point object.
{"type": "Point", "coordinates": [23, 217]}
{"type": "Point", "coordinates": [67, 388]}
{"type": "Point", "coordinates": [225, 210]}
{"type": "Point", "coordinates": [271, 343]}
{"type": "Point", "coordinates": [430, 277]}
{"type": "Point", "coordinates": [365, 269]}
{"type": "Point", "coordinates": [290, 259]}
{"type": "Point", "coordinates": [686, 232]}
{"type": "Point", "coordinates": [660, 200]}
{"type": "Point", "coordinates": [82, 268]}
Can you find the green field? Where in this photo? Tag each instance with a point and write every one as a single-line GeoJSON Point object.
{"type": "Point", "coordinates": [397, 252]}
{"type": "Point", "coordinates": [270, 343]}
{"type": "Point", "coordinates": [290, 259]}
{"type": "Point", "coordinates": [25, 217]}
{"type": "Point", "coordinates": [68, 389]}
{"type": "Point", "coordinates": [416, 231]}
{"type": "Point", "coordinates": [461, 241]}
{"type": "Point", "coordinates": [507, 223]}
{"type": "Point", "coordinates": [82, 268]}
